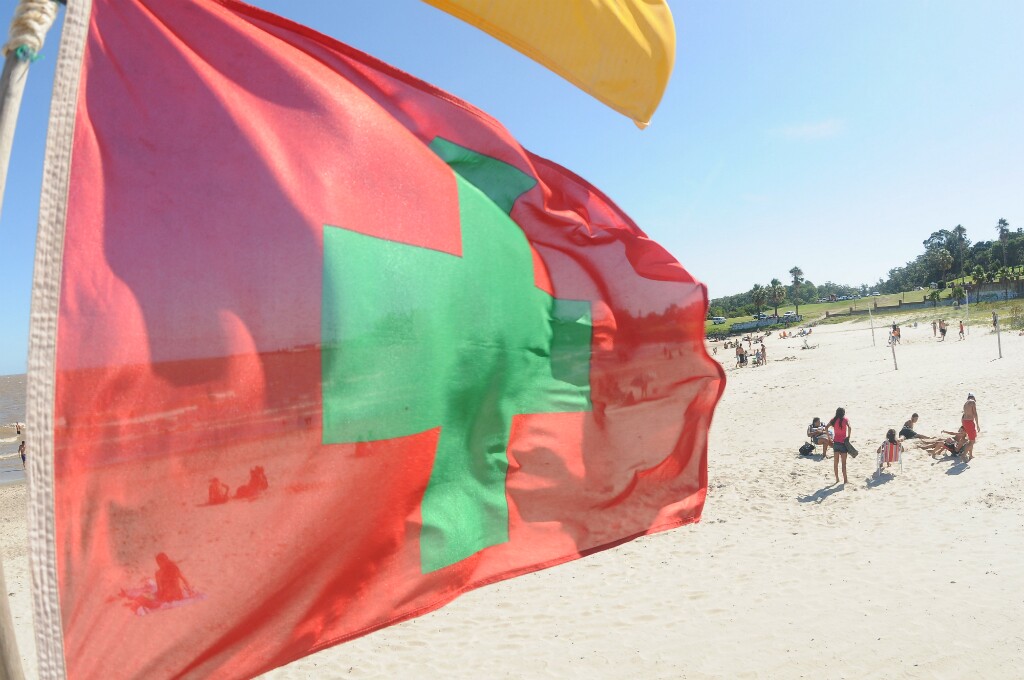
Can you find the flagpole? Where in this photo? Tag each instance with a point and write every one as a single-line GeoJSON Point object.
{"type": "Point", "coordinates": [32, 19]}
{"type": "Point", "coordinates": [10, 658]}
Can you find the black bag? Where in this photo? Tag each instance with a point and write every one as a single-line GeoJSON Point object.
{"type": "Point", "coordinates": [807, 449]}
{"type": "Point", "coordinates": [850, 450]}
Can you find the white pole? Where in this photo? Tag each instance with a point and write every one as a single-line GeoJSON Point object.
{"type": "Point", "coordinates": [10, 659]}
{"type": "Point", "coordinates": [999, 340]}
{"type": "Point", "coordinates": [967, 322]}
{"type": "Point", "coordinates": [871, 317]}
{"type": "Point", "coordinates": [32, 19]}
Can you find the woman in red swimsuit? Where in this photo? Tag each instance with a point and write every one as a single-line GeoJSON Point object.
{"type": "Point", "coordinates": [841, 434]}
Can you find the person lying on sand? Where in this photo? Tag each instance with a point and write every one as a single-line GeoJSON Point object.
{"type": "Point", "coordinates": [938, 446]}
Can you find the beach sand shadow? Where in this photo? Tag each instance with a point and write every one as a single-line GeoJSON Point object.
{"type": "Point", "coordinates": [878, 479]}
{"type": "Point", "coordinates": [957, 468]}
{"type": "Point", "coordinates": [821, 494]}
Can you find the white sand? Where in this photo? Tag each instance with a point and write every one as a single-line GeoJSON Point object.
{"type": "Point", "coordinates": [919, 574]}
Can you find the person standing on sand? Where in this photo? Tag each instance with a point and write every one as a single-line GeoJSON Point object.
{"type": "Point", "coordinates": [934, 329]}
{"type": "Point", "coordinates": [971, 424]}
{"type": "Point", "coordinates": [942, 329]}
{"type": "Point", "coordinates": [21, 450]}
{"type": "Point", "coordinates": [841, 431]}
{"type": "Point", "coordinates": [764, 353]}
{"type": "Point", "coordinates": [961, 329]}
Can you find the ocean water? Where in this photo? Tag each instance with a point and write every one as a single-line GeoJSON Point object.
{"type": "Point", "coordinates": [12, 410]}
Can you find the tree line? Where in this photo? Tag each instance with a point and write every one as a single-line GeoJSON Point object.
{"type": "Point", "coordinates": [949, 257]}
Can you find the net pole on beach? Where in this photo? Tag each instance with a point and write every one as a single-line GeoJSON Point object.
{"type": "Point", "coordinates": [999, 339]}
{"type": "Point", "coordinates": [32, 19]}
{"type": "Point", "coordinates": [894, 364]}
{"type": "Point", "coordinates": [871, 317]}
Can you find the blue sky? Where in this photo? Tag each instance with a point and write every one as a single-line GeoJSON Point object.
{"type": "Point", "coordinates": [832, 136]}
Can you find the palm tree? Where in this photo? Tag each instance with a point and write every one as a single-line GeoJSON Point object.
{"type": "Point", "coordinates": [776, 294]}
{"type": "Point", "coordinates": [960, 235]}
{"type": "Point", "coordinates": [759, 296]}
{"type": "Point", "coordinates": [978, 274]}
{"type": "Point", "coordinates": [1003, 228]}
{"type": "Point", "coordinates": [798, 278]}
{"type": "Point", "coordinates": [1004, 274]}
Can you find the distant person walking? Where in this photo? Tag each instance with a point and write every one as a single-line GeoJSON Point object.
{"type": "Point", "coordinates": [942, 329]}
{"type": "Point", "coordinates": [971, 425]}
{"type": "Point", "coordinates": [961, 329]}
{"type": "Point", "coordinates": [841, 432]}
{"type": "Point", "coordinates": [21, 450]}
{"type": "Point", "coordinates": [935, 329]}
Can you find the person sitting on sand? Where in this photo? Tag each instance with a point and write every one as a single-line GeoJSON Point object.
{"type": "Point", "coordinates": [842, 430]}
{"type": "Point", "coordinates": [818, 434]}
{"type": "Point", "coordinates": [908, 429]}
{"type": "Point", "coordinates": [889, 450]}
{"type": "Point", "coordinates": [218, 492]}
{"type": "Point", "coordinates": [169, 580]}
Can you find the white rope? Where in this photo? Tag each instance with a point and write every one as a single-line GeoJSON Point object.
{"type": "Point", "coordinates": [32, 19]}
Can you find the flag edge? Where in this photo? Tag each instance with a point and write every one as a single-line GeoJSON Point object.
{"type": "Point", "coordinates": [45, 305]}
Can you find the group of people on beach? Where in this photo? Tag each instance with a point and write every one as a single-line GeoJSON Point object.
{"type": "Point", "coordinates": [755, 346]}
{"type": "Point", "coordinates": [939, 329]}
{"type": "Point", "coordinates": [837, 431]}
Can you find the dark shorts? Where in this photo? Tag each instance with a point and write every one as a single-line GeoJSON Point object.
{"type": "Point", "coordinates": [943, 331]}
{"type": "Point", "coordinates": [839, 447]}
{"type": "Point", "coordinates": [907, 433]}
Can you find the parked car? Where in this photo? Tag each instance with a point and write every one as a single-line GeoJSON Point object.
{"type": "Point", "coordinates": [759, 317]}
{"type": "Point", "coordinates": [875, 294]}
{"type": "Point", "coordinates": [789, 313]}
{"type": "Point", "coordinates": [717, 319]}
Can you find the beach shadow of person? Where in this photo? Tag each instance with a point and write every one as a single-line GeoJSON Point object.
{"type": "Point", "coordinates": [957, 467]}
{"type": "Point", "coordinates": [821, 494]}
{"type": "Point", "coordinates": [878, 479]}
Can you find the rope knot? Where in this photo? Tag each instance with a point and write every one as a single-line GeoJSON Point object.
{"type": "Point", "coordinates": [32, 19]}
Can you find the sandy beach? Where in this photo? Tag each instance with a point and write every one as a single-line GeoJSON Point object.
{"type": "Point", "coordinates": [912, 574]}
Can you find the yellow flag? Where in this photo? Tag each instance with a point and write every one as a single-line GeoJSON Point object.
{"type": "Point", "coordinates": [619, 51]}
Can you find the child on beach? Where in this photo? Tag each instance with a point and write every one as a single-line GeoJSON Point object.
{"type": "Point", "coordinates": [842, 430]}
{"type": "Point", "coordinates": [889, 451]}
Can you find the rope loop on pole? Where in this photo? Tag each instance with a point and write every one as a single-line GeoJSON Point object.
{"type": "Point", "coordinates": [32, 19]}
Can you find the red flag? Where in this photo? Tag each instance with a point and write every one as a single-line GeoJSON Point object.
{"type": "Point", "coordinates": [331, 349]}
